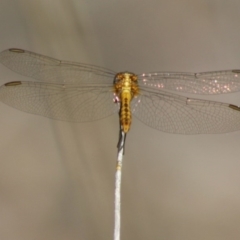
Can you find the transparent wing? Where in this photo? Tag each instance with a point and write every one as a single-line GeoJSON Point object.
{"type": "Point", "coordinates": [176, 114]}
{"type": "Point", "coordinates": [48, 69]}
{"type": "Point", "coordinates": [58, 101]}
{"type": "Point", "coordinates": [199, 83]}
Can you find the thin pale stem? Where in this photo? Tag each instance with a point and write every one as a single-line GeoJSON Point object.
{"type": "Point", "coordinates": [117, 210]}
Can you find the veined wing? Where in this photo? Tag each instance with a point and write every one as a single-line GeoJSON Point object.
{"type": "Point", "coordinates": [217, 82]}
{"type": "Point", "coordinates": [68, 102]}
{"type": "Point", "coordinates": [48, 69]}
{"type": "Point", "coordinates": [172, 113]}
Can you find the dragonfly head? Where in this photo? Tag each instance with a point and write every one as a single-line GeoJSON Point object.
{"type": "Point", "coordinates": [119, 77]}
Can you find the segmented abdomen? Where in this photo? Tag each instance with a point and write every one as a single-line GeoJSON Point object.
{"type": "Point", "coordinates": [125, 111]}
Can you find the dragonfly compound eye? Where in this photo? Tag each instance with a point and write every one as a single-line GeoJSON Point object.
{"type": "Point", "coordinates": [119, 76]}
{"type": "Point", "coordinates": [134, 78]}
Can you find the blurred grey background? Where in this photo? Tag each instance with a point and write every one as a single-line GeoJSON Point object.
{"type": "Point", "coordinates": [57, 178]}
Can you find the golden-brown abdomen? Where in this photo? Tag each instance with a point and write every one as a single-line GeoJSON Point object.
{"type": "Point", "coordinates": [125, 111]}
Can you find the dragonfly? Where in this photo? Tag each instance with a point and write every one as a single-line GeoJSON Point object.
{"type": "Point", "coordinates": [77, 92]}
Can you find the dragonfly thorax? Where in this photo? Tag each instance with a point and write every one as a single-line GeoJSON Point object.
{"type": "Point", "coordinates": [126, 81]}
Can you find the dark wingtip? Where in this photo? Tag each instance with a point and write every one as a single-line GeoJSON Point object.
{"type": "Point", "coordinates": [15, 83]}
{"type": "Point", "coordinates": [234, 107]}
{"type": "Point", "coordinates": [16, 50]}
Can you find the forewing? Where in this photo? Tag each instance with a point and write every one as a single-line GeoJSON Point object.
{"type": "Point", "coordinates": [58, 101]}
{"type": "Point", "coordinates": [217, 82]}
{"type": "Point", "coordinates": [176, 114]}
{"type": "Point", "coordinates": [48, 69]}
